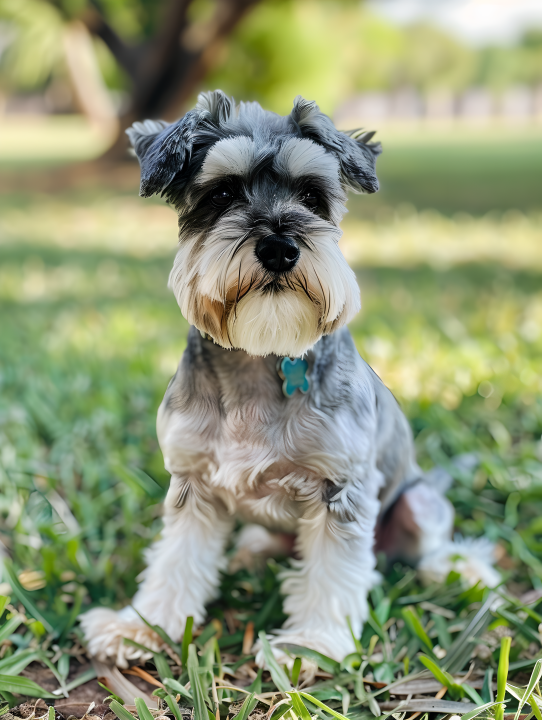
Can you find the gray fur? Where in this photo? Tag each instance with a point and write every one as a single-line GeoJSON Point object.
{"type": "Point", "coordinates": [215, 383]}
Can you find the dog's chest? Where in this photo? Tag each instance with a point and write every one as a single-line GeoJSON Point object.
{"type": "Point", "coordinates": [270, 444]}
{"type": "Point", "coordinates": [227, 422]}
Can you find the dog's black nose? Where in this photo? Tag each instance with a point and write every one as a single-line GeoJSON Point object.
{"type": "Point", "coordinates": [277, 253]}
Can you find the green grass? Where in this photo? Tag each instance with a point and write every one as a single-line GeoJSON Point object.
{"type": "Point", "coordinates": [458, 169]}
{"type": "Point", "coordinates": [33, 142]}
{"type": "Point", "coordinates": [89, 338]}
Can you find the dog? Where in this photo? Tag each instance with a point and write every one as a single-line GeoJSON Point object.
{"type": "Point", "coordinates": [272, 416]}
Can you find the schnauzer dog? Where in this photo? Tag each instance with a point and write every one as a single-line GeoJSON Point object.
{"type": "Point", "coordinates": [272, 416]}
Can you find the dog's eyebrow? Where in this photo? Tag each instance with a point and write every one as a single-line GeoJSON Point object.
{"type": "Point", "coordinates": [230, 156]}
{"type": "Point", "coordinates": [301, 156]}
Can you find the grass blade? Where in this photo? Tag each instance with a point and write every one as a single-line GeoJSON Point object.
{"type": "Point", "coordinates": [299, 706]}
{"type": "Point", "coordinates": [142, 710]}
{"type": "Point", "coordinates": [162, 666]}
{"type": "Point", "coordinates": [410, 616]}
{"type": "Point", "coordinates": [471, 692]}
{"type": "Point", "coordinates": [9, 627]}
{"type": "Point", "coordinates": [89, 674]}
{"type": "Point", "coordinates": [442, 676]}
{"type": "Point", "coordinates": [502, 675]}
{"type": "Point", "coordinates": [460, 650]}
{"type": "Point", "coordinates": [256, 685]}
{"type": "Point", "coordinates": [477, 711]}
{"type": "Point", "coordinates": [277, 673]}
{"type": "Point", "coordinates": [112, 695]}
{"type": "Point", "coordinates": [533, 682]}
{"type": "Point", "coordinates": [24, 598]}
{"type": "Point", "coordinates": [200, 708]}
{"type": "Point", "coordinates": [172, 704]}
{"type": "Point", "coordinates": [23, 686]}
{"type": "Point", "coordinates": [247, 707]}
{"type": "Point", "coordinates": [162, 634]}
{"type": "Point", "coordinates": [187, 639]}
{"type": "Point", "coordinates": [324, 662]}
{"type": "Point", "coordinates": [296, 670]}
{"type": "Point", "coordinates": [177, 687]}
{"type": "Point", "coordinates": [487, 690]}
{"type": "Point", "coordinates": [535, 708]}
{"type": "Point", "coordinates": [524, 629]}
{"type": "Point", "coordinates": [322, 706]}
{"type": "Point", "coordinates": [14, 664]}
{"type": "Point", "coordinates": [120, 711]}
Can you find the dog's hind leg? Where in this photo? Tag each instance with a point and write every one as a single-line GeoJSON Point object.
{"type": "Point", "coordinates": [418, 528]}
{"type": "Point", "coordinates": [182, 574]}
{"type": "Point", "coordinates": [417, 520]}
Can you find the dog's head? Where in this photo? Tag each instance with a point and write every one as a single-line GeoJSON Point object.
{"type": "Point", "coordinates": [260, 198]}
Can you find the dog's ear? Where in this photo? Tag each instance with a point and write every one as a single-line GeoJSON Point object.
{"type": "Point", "coordinates": [164, 150]}
{"type": "Point", "coordinates": [356, 155]}
{"type": "Point", "coordinates": [217, 106]}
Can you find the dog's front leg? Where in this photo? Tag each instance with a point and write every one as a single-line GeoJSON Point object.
{"type": "Point", "coordinates": [329, 585]}
{"type": "Point", "coordinates": [182, 574]}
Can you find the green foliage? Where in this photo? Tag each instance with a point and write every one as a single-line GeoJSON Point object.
{"type": "Point", "coordinates": [327, 51]}
{"type": "Point", "coordinates": [323, 49]}
{"type": "Point", "coordinates": [35, 51]}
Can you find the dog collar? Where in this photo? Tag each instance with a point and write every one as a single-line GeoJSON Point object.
{"type": "Point", "coordinates": [293, 374]}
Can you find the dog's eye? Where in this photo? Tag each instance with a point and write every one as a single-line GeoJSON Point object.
{"type": "Point", "coordinates": [221, 196]}
{"type": "Point", "coordinates": [310, 199]}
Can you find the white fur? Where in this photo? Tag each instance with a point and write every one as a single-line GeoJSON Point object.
{"type": "Point", "coordinates": [106, 629]}
{"type": "Point", "coordinates": [472, 558]}
{"type": "Point", "coordinates": [300, 156]}
{"type": "Point", "coordinates": [284, 324]}
{"type": "Point", "coordinates": [231, 156]}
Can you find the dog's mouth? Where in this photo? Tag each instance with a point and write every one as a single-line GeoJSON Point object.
{"type": "Point", "coordinates": [274, 285]}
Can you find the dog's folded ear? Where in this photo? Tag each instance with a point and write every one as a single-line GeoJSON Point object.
{"type": "Point", "coordinates": [162, 150]}
{"type": "Point", "coordinates": [356, 155]}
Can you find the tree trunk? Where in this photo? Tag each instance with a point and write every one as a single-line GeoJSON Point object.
{"type": "Point", "coordinates": [166, 72]}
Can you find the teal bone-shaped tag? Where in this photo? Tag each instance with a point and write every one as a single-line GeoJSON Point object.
{"type": "Point", "coordinates": [294, 375]}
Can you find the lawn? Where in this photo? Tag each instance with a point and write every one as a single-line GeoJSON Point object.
{"type": "Point", "coordinates": [449, 263]}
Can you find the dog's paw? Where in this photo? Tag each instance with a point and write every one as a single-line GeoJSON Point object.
{"type": "Point", "coordinates": [106, 629]}
{"type": "Point", "coordinates": [472, 558]}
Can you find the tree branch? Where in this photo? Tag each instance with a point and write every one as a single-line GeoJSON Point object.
{"type": "Point", "coordinates": [161, 53]}
{"type": "Point", "coordinates": [188, 60]}
{"type": "Point", "coordinates": [129, 57]}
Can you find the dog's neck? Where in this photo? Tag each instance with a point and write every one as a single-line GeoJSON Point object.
{"type": "Point", "coordinates": [234, 379]}
{"type": "Point", "coordinates": [236, 375]}
{"type": "Point", "coordinates": [292, 372]}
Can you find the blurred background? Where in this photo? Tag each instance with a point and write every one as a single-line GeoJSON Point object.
{"type": "Point", "coordinates": [448, 253]}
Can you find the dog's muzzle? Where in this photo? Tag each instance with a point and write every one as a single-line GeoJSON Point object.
{"type": "Point", "coordinates": [277, 253]}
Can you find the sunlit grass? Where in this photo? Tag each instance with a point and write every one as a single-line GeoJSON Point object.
{"type": "Point", "coordinates": [48, 139]}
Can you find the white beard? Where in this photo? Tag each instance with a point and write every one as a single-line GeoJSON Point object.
{"type": "Point", "coordinates": [280, 323]}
